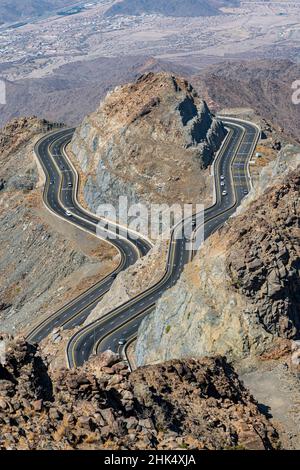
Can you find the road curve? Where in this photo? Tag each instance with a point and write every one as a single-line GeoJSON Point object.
{"type": "Point", "coordinates": [60, 196]}
{"type": "Point", "coordinates": [122, 323]}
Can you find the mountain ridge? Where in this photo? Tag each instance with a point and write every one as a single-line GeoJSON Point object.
{"type": "Point", "coordinates": [152, 140]}
{"type": "Point", "coordinates": [174, 8]}
{"type": "Point", "coordinates": [18, 10]}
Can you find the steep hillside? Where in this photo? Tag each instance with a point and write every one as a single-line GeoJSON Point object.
{"type": "Point", "coordinates": [245, 276]}
{"type": "Point", "coordinates": [151, 141]}
{"type": "Point", "coordinates": [263, 85]}
{"type": "Point", "coordinates": [74, 90]}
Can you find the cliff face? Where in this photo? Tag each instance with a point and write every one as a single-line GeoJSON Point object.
{"type": "Point", "coordinates": [151, 141]}
{"type": "Point", "coordinates": [186, 404]}
{"type": "Point", "coordinates": [241, 292]}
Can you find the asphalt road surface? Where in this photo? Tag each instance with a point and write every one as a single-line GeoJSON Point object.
{"type": "Point", "coordinates": [60, 196]}
{"type": "Point", "coordinates": [118, 327]}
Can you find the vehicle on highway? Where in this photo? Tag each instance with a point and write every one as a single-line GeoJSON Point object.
{"type": "Point", "coordinates": [70, 185]}
{"type": "Point", "coordinates": [77, 352]}
{"type": "Point", "coordinates": [68, 214]}
{"type": "Point", "coordinates": [189, 237]}
{"type": "Point", "coordinates": [194, 223]}
{"type": "Point", "coordinates": [222, 183]}
{"type": "Point", "coordinates": [51, 182]}
{"type": "Point", "coordinates": [246, 191]}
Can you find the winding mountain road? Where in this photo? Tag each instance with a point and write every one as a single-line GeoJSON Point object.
{"type": "Point", "coordinates": [60, 196]}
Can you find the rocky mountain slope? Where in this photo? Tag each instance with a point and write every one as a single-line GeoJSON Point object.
{"type": "Point", "coordinates": [151, 141]}
{"type": "Point", "coordinates": [185, 404]}
{"type": "Point", "coordinates": [73, 90]}
{"type": "Point", "coordinates": [163, 7]}
{"type": "Point", "coordinates": [245, 276]}
{"type": "Point", "coordinates": [18, 10]}
{"type": "Point", "coordinates": [39, 255]}
{"type": "Point", "coordinates": [263, 85]}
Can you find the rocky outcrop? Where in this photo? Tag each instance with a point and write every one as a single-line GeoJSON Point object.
{"type": "Point", "coordinates": [39, 254]}
{"type": "Point", "coordinates": [185, 404]}
{"type": "Point", "coordinates": [151, 141]}
{"type": "Point", "coordinates": [241, 292]}
{"type": "Point", "coordinates": [264, 264]}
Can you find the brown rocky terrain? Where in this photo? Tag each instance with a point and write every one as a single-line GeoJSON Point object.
{"type": "Point", "coordinates": [240, 298]}
{"type": "Point", "coordinates": [74, 90]}
{"type": "Point", "coordinates": [245, 276]}
{"type": "Point", "coordinates": [164, 7]}
{"type": "Point", "coordinates": [263, 262]}
{"type": "Point", "coordinates": [263, 85]}
{"type": "Point", "coordinates": [18, 10]}
{"type": "Point", "coordinates": [274, 382]}
{"type": "Point", "coordinates": [183, 404]}
{"type": "Point", "coordinates": [43, 261]}
{"type": "Point", "coordinates": [152, 141]}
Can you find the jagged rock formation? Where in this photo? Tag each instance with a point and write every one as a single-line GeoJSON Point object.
{"type": "Point", "coordinates": [70, 92]}
{"type": "Point", "coordinates": [264, 264]}
{"type": "Point", "coordinates": [186, 404]}
{"type": "Point", "coordinates": [151, 141]}
{"type": "Point", "coordinates": [38, 256]}
{"type": "Point", "coordinates": [241, 292]}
